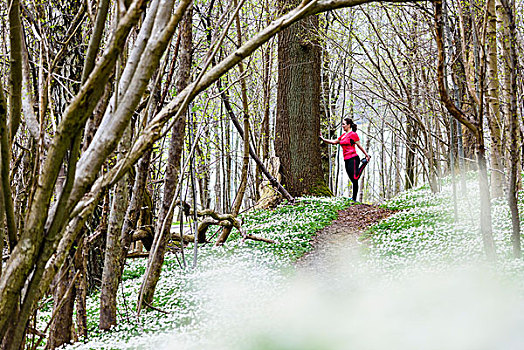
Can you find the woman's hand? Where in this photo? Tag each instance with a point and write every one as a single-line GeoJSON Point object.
{"type": "Point", "coordinates": [331, 142]}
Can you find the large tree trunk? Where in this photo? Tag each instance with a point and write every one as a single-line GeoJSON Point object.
{"type": "Point", "coordinates": [298, 108]}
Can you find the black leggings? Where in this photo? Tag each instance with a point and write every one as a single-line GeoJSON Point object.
{"type": "Point", "coordinates": [354, 171]}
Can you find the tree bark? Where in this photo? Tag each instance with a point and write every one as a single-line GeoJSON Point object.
{"type": "Point", "coordinates": [113, 255]}
{"type": "Point", "coordinates": [245, 159]}
{"type": "Point", "coordinates": [298, 108]}
{"type": "Point", "coordinates": [173, 162]}
{"type": "Point", "coordinates": [2, 215]}
{"type": "Point", "coordinates": [64, 300]}
{"type": "Point", "coordinates": [15, 72]}
{"type": "Point", "coordinates": [410, 154]}
{"type": "Point", "coordinates": [510, 60]}
{"type": "Point", "coordinates": [81, 287]}
{"type": "Point", "coordinates": [5, 154]}
{"type": "Point", "coordinates": [495, 119]}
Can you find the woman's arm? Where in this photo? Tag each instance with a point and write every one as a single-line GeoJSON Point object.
{"type": "Point", "coordinates": [362, 149]}
{"type": "Point", "coordinates": [333, 142]}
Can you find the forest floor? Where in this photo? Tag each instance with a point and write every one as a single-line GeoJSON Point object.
{"type": "Point", "coordinates": [343, 233]}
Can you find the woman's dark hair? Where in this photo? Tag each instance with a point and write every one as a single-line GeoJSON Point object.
{"type": "Point", "coordinates": [349, 122]}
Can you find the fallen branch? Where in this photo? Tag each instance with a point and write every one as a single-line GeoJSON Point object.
{"type": "Point", "coordinates": [155, 308]}
{"type": "Point", "coordinates": [35, 332]}
{"type": "Point", "coordinates": [137, 255]}
{"type": "Point", "coordinates": [141, 234]}
{"type": "Point", "coordinates": [257, 238]}
{"type": "Point", "coordinates": [187, 238]}
{"type": "Point", "coordinates": [211, 217]}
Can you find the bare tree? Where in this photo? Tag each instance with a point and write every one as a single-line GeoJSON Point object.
{"type": "Point", "coordinates": [476, 127]}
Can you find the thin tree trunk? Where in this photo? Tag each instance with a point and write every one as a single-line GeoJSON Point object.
{"type": "Point", "coordinates": [92, 51]}
{"type": "Point", "coordinates": [485, 205]}
{"type": "Point", "coordinates": [203, 177]}
{"type": "Point", "coordinates": [2, 216]}
{"type": "Point", "coordinates": [112, 267]}
{"type": "Point", "coordinates": [5, 149]}
{"type": "Point", "coordinates": [265, 137]}
{"type": "Point", "coordinates": [96, 38]}
{"type": "Point", "coordinates": [397, 161]}
{"type": "Point", "coordinates": [173, 162]}
{"type": "Point", "coordinates": [510, 37]}
{"type": "Point", "coordinates": [245, 159]}
{"type": "Point", "coordinates": [64, 299]}
{"type": "Point", "coordinates": [410, 154]}
{"type": "Point", "coordinates": [218, 173]}
{"type": "Point", "coordinates": [495, 119]}
{"type": "Point", "coordinates": [15, 72]}
{"type": "Point", "coordinates": [476, 129]}
{"type": "Point", "coordinates": [228, 166]}
{"type": "Point", "coordinates": [81, 287]}
{"type": "Point", "coordinates": [382, 161]}
{"type": "Point", "coordinates": [432, 177]}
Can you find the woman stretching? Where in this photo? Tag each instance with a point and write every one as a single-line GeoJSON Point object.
{"type": "Point", "coordinates": [348, 140]}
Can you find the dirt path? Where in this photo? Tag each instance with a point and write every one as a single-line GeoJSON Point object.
{"type": "Point", "coordinates": [342, 234]}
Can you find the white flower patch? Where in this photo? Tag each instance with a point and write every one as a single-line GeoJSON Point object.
{"type": "Point", "coordinates": [420, 280]}
{"type": "Point", "coordinates": [201, 300]}
{"type": "Point", "coordinates": [425, 231]}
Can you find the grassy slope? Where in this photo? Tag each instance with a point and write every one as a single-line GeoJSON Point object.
{"type": "Point", "coordinates": [423, 232]}
{"type": "Point", "coordinates": [180, 291]}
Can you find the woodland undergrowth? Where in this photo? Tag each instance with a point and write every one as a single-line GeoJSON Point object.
{"type": "Point", "coordinates": [242, 275]}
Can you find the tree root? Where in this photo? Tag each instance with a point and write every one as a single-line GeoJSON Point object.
{"type": "Point", "coordinates": [211, 217]}
{"type": "Point", "coordinates": [208, 217]}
